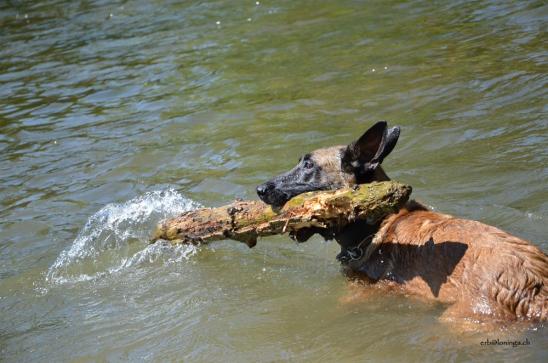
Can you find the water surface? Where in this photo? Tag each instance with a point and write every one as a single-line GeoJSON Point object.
{"type": "Point", "coordinates": [116, 114]}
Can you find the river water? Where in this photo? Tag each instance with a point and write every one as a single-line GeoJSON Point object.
{"type": "Point", "coordinates": [116, 114]}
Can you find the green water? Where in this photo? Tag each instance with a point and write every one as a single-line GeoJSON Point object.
{"type": "Point", "coordinates": [115, 114]}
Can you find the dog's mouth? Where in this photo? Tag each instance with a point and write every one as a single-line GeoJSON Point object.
{"type": "Point", "coordinates": [276, 196]}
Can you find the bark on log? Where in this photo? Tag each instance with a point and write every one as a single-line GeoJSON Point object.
{"type": "Point", "coordinates": [244, 221]}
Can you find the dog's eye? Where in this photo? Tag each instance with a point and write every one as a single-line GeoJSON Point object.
{"type": "Point", "coordinates": [308, 164]}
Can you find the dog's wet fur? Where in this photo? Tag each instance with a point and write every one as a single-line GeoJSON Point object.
{"type": "Point", "coordinates": [483, 272]}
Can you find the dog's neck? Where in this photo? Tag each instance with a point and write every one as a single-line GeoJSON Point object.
{"type": "Point", "coordinates": [358, 239]}
{"type": "Point", "coordinates": [354, 239]}
{"type": "Point", "coordinates": [380, 175]}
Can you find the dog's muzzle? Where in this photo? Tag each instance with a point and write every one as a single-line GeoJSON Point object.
{"type": "Point", "coordinates": [271, 195]}
{"type": "Point", "coordinates": [263, 189]}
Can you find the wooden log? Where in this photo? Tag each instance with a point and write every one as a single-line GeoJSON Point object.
{"type": "Point", "coordinates": [244, 221]}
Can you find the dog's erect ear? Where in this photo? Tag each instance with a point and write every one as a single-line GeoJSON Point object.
{"type": "Point", "coordinates": [392, 135]}
{"type": "Point", "coordinates": [371, 148]}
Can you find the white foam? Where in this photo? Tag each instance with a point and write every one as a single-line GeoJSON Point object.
{"type": "Point", "coordinates": [113, 229]}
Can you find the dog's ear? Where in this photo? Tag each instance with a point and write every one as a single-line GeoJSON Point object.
{"type": "Point", "coordinates": [371, 148]}
{"type": "Point", "coordinates": [392, 136]}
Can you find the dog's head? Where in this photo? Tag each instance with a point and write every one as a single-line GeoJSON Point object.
{"type": "Point", "coordinates": [334, 167]}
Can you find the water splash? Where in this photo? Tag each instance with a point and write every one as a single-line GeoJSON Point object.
{"type": "Point", "coordinates": [159, 251]}
{"type": "Point", "coordinates": [113, 238]}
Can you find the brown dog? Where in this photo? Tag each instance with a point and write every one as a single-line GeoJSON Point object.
{"type": "Point", "coordinates": [481, 271]}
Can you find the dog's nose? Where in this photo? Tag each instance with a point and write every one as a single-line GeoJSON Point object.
{"type": "Point", "coordinates": [264, 188]}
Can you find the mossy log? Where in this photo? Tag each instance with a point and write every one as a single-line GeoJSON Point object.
{"type": "Point", "coordinates": [244, 221]}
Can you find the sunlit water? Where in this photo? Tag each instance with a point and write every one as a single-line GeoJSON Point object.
{"type": "Point", "coordinates": [116, 114]}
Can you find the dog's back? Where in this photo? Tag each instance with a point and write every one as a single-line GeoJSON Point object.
{"type": "Point", "coordinates": [479, 268]}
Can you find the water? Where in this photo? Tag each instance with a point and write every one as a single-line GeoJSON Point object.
{"type": "Point", "coordinates": [115, 114]}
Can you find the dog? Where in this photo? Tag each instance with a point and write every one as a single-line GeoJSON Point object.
{"type": "Point", "coordinates": [480, 271]}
